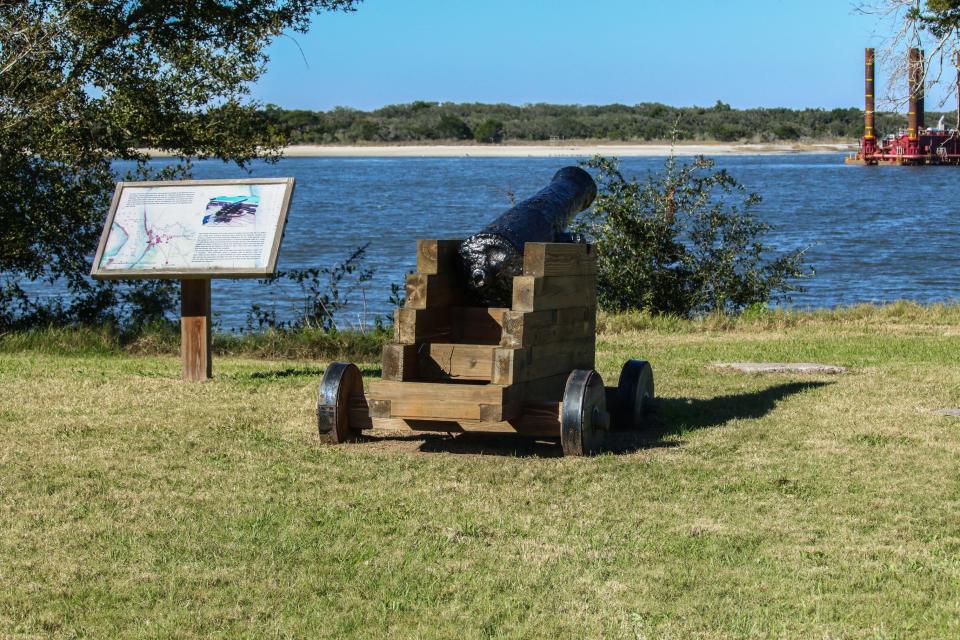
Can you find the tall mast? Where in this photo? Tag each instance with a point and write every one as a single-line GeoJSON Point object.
{"type": "Point", "coordinates": [913, 75]}
{"type": "Point", "coordinates": [868, 106]}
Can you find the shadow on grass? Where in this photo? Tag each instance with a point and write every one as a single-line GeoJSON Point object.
{"type": "Point", "coordinates": [671, 417]}
{"type": "Point", "coordinates": [295, 372]}
{"type": "Point", "coordinates": [676, 415]}
{"type": "Point", "coordinates": [494, 444]}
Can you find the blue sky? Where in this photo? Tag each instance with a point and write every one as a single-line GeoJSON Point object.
{"type": "Point", "coordinates": [748, 53]}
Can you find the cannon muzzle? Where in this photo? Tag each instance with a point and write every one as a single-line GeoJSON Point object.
{"type": "Point", "coordinates": [490, 258]}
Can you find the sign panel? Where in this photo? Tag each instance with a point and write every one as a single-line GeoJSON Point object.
{"type": "Point", "coordinates": [194, 228]}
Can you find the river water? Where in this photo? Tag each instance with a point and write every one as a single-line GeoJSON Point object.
{"type": "Point", "coordinates": [873, 234]}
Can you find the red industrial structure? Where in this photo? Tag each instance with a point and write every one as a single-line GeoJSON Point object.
{"type": "Point", "coordinates": [918, 144]}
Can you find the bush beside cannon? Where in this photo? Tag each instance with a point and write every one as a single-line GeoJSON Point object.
{"type": "Point", "coordinates": [525, 368]}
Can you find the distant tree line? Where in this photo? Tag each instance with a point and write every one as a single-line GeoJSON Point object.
{"type": "Point", "coordinates": [444, 121]}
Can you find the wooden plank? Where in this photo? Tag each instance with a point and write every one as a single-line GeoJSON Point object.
{"type": "Point", "coordinates": [411, 326]}
{"type": "Point", "coordinates": [539, 420]}
{"type": "Point", "coordinates": [550, 316]}
{"type": "Point", "coordinates": [547, 317]}
{"type": "Point", "coordinates": [399, 362]}
{"type": "Point", "coordinates": [451, 361]}
{"type": "Point", "coordinates": [559, 259]}
{"type": "Point", "coordinates": [436, 399]}
{"type": "Point", "coordinates": [378, 408]}
{"type": "Point", "coordinates": [478, 325]}
{"type": "Point", "coordinates": [510, 407]}
{"type": "Point", "coordinates": [195, 329]}
{"type": "Point", "coordinates": [451, 407]}
{"type": "Point", "coordinates": [437, 256]}
{"type": "Point", "coordinates": [575, 314]}
{"type": "Point", "coordinates": [547, 335]}
{"type": "Point", "coordinates": [359, 413]}
{"type": "Point", "coordinates": [435, 290]}
{"type": "Point", "coordinates": [549, 389]}
{"type": "Point", "coordinates": [553, 292]}
{"type": "Point", "coordinates": [511, 366]}
{"type": "Point", "coordinates": [491, 412]}
{"type": "Point", "coordinates": [523, 329]}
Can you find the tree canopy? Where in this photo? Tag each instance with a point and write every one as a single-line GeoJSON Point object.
{"type": "Point", "coordinates": [931, 25]}
{"type": "Point", "coordinates": [485, 123]}
{"type": "Point", "coordinates": [941, 16]}
{"type": "Point", "coordinates": [84, 83]}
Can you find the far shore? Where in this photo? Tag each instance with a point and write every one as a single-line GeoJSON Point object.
{"type": "Point", "coordinates": [559, 149]}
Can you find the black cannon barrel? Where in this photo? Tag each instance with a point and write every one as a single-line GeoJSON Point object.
{"type": "Point", "coordinates": [490, 258]}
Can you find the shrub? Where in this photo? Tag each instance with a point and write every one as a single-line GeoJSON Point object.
{"type": "Point", "coordinates": [324, 293]}
{"type": "Point", "coordinates": [364, 129]}
{"type": "Point", "coordinates": [786, 132]}
{"type": "Point", "coordinates": [453, 128]}
{"type": "Point", "coordinates": [489, 130]}
{"type": "Point", "coordinates": [683, 242]}
{"type": "Point", "coordinates": [728, 132]}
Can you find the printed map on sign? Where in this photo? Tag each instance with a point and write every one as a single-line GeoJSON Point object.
{"type": "Point", "coordinates": [193, 227]}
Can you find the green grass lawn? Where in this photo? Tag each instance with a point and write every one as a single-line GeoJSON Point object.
{"type": "Point", "coordinates": [135, 505]}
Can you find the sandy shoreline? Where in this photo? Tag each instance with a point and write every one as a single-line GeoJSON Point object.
{"type": "Point", "coordinates": [554, 150]}
{"type": "Point", "coordinates": [548, 150]}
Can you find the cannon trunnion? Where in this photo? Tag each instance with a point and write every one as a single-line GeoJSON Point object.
{"type": "Point", "coordinates": [525, 368]}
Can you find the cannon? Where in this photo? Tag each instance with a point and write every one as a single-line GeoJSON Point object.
{"type": "Point", "coordinates": [491, 258]}
{"type": "Point", "coordinates": [524, 365]}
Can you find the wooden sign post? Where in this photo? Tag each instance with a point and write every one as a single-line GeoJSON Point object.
{"type": "Point", "coordinates": [194, 231]}
{"type": "Point", "coordinates": [195, 329]}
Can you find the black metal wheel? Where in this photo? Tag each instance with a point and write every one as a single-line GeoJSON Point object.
{"type": "Point", "coordinates": [341, 381]}
{"type": "Point", "coordinates": [634, 394]}
{"type": "Point", "coordinates": [584, 417]}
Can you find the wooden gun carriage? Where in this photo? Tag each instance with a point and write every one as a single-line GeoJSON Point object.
{"type": "Point", "coordinates": [527, 369]}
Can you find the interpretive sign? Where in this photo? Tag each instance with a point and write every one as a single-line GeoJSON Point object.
{"type": "Point", "coordinates": [194, 228]}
